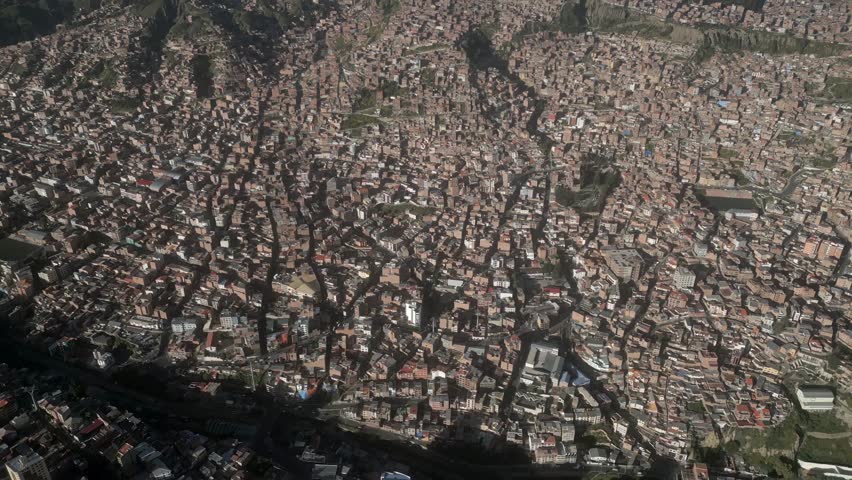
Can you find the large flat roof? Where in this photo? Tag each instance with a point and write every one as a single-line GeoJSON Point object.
{"type": "Point", "coordinates": [816, 392]}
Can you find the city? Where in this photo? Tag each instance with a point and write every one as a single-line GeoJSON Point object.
{"type": "Point", "coordinates": [426, 239]}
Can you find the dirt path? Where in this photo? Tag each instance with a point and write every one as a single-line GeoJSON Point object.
{"type": "Point", "coordinates": [829, 436]}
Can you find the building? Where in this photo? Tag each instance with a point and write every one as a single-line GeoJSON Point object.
{"type": "Point", "coordinates": [394, 274]}
{"type": "Point", "coordinates": [815, 399]}
{"type": "Point", "coordinates": [304, 326]}
{"type": "Point", "coordinates": [684, 278]}
{"type": "Point", "coordinates": [626, 264]}
{"type": "Point", "coordinates": [30, 467]}
{"type": "Point", "coordinates": [183, 325]}
{"type": "Point", "coordinates": [830, 249]}
{"type": "Point", "coordinates": [145, 322]}
{"type": "Point", "coordinates": [103, 360]}
{"type": "Point", "coordinates": [810, 248]}
{"type": "Point", "coordinates": [598, 455]}
{"type": "Point", "coordinates": [394, 476]}
{"type": "Point", "coordinates": [229, 320]}
{"type": "Point", "coordinates": [543, 363]}
{"type": "Point", "coordinates": [699, 471]}
{"type": "Point", "coordinates": [412, 312]}
{"type": "Point", "coordinates": [741, 214]}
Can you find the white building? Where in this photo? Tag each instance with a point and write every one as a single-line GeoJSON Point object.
{"type": "Point", "coordinates": [684, 278]}
{"type": "Point", "coordinates": [145, 322]}
{"type": "Point", "coordinates": [182, 325]}
{"type": "Point", "coordinates": [598, 455]}
{"type": "Point", "coordinates": [412, 312]}
{"type": "Point", "coordinates": [228, 320]}
{"type": "Point", "coordinates": [103, 360]}
{"type": "Point", "coordinates": [815, 399]}
{"type": "Point", "coordinates": [304, 326]}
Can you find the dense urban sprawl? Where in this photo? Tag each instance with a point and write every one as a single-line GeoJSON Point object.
{"type": "Point", "coordinates": [597, 234]}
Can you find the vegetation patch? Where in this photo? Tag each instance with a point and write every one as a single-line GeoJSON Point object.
{"type": "Point", "coordinates": [59, 74]}
{"type": "Point", "coordinates": [355, 120]}
{"type": "Point", "coordinates": [490, 28]}
{"type": "Point", "coordinates": [772, 449]}
{"type": "Point", "coordinates": [755, 445]}
{"type": "Point", "coordinates": [389, 7]}
{"type": "Point", "coordinates": [838, 89]}
{"type": "Point", "coordinates": [558, 267]}
{"type": "Point", "coordinates": [579, 16]}
{"type": "Point", "coordinates": [103, 73]}
{"type": "Point", "coordinates": [427, 77]}
{"type": "Point", "coordinates": [201, 22]}
{"type": "Point", "coordinates": [477, 454]}
{"type": "Point", "coordinates": [22, 20]}
{"type": "Point", "coordinates": [374, 33]}
{"type": "Point", "coordinates": [364, 99]}
{"type": "Point", "coordinates": [727, 153]}
{"type": "Point", "coordinates": [202, 76]}
{"type": "Point", "coordinates": [791, 138]}
{"type": "Point", "coordinates": [150, 9]}
{"type": "Point", "coordinates": [597, 179]}
{"type": "Point", "coordinates": [824, 162]}
{"type": "Point", "coordinates": [425, 49]}
{"type": "Point", "coordinates": [292, 10]}
{"type": "Point", "coordinates": [769, 450]}
{"type": "Point", "coordinates": [341, 46]}
{"type": "Point", "coordinates": [122, 104]}
{"type": "Point", "coordinates": [398, 209]}
{"type": "Point", "coordinates": [730, 40]}
{"type": "Point", "coordinates": [823, 450]}
{"type": "Point", "coordinates": [392, 89]}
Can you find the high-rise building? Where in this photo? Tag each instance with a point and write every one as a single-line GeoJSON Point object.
{"type": "Point", "coordinates": [304, 326]}
{"type": "Point", "coordinates": [684, 278]}
{"type": "Point", "coordinates": [230, 320]}
{"type": "Point", "coordinates": [624, 263]}
{"type": "Point", "coordinates": [29, 467]}
{"type": "Point", "coordinates": [412, 312]}
{"type": "Point", "coordinates": [103, 360]}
